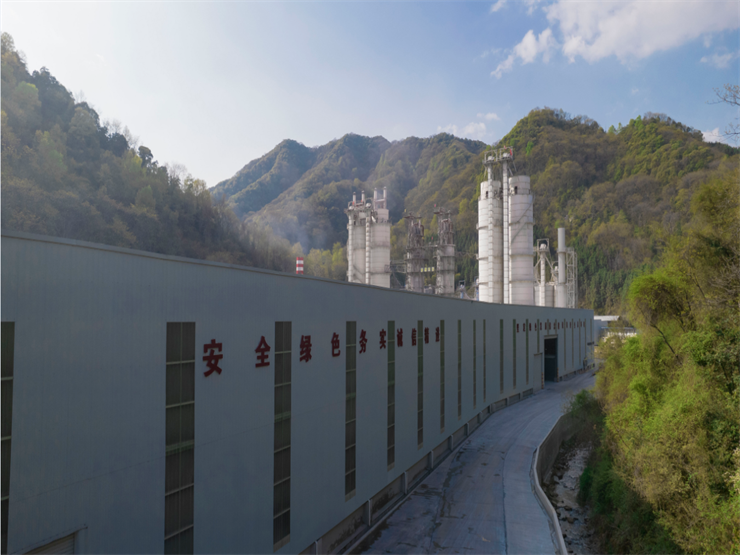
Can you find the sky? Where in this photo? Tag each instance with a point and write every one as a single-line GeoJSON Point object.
{"type": "Point", "coordinates": [214, 85]}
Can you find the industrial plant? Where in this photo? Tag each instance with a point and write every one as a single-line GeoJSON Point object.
{"type": "Point", "coordinates": [164, 404]}
{"type": "Point", "coordinates": [512, 267]}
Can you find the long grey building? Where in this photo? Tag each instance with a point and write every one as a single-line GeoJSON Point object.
{"type": "Point", "coordinates": [154, 403]}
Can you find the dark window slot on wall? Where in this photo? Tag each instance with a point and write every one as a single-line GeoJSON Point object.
{"type": "Point", "coordinates": [485, 367]}
{"type": "Point", "coordinates": [7, 331]}
{"type": "Point", "coordinates": [282, 435]}
{"type": "Point", "coordinates": [180, 438]}
{"type": "Point", "coordinates": [475, 367]}
{"type": "Point", "coordinates": [442, 376]}
{"type": "Point", "coordinates": [459, 369]}
{"type": "Point", "coordinates": [501, 356]}
{"type": "Point", "coordinates": [350, 412]}
{"type": "Point", "coordinates": [391, 432]}
{"type": "Point", "coordinates": [420, 385]}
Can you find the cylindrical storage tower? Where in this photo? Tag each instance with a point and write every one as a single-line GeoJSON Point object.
{"type": "Point", "coordinates": [550, 295]}
{"type": "Point", "coordinates": [537, 290]}
{"type": "Point", "coordinates": [356, 247]}
{"type": "Point", "coordinates": [543, 252]}
{"type": "Point", "coordinates": [380, 244]}
{"type": "Point", "coordinates": [490, 243]}
{"type": "Point", "coordinates": [484, 238]}
{"type": "Point", "coordinates": [497, 244]}
{"type": "Point", "coordinates": [561, 300]}
{"type": "Point", "coordinates": [521, 240]}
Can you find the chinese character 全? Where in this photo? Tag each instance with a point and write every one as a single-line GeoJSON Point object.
{"type": "Point", "coordinates": [262, 349]}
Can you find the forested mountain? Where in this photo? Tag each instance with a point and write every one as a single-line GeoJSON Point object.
{"type": "Point", "coordinates": [67, 174]}
{"type": "Point", "coordinates": [620, 193]}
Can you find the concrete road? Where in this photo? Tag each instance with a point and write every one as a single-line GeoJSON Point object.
{"type": "Point", "coordinates": [480, 499]}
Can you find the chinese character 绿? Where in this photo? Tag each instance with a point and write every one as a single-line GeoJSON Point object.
{"type": "Point", "coordinates": [211, 359]}
{"type": "Point", "coordinates": [305, 348]}
{"type": "Point", "coordinates": [335, 352]}
{"type": "Point", "coordinates": [262, 349]}
{"type": "Point", "coordinates": [363, 341]}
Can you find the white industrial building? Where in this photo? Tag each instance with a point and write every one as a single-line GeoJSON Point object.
{"type": "Point", "coordinates": [369, 240]}
{"type": "Point", "coordinates": [162, 404]}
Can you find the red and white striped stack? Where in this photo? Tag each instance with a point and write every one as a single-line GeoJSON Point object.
{"type": "Point", "coordinates": [299, 265]}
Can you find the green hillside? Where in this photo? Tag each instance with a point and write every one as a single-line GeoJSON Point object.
{"type": "Point", "coordinates": [67, 174]}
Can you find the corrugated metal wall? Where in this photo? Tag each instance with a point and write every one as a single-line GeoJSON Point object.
{"type": "Point", "coordinates": [90, 392]}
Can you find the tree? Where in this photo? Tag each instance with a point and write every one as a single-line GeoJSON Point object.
{"type": "Point", "coordinates": [730, 94]}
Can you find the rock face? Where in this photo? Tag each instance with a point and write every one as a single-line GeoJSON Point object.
{"type": "Point", "coordinates": [562, 489]}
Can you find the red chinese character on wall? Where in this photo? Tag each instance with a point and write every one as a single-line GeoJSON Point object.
{"type": "Point", "coordinates": [413, 337]}
{"type": "Point", "coordinates": [262, 349]}
{"type": "Point", "coordinates": [363, 341]}
{"type": "Point", "coordinates": [382, 339]}
{"type": "Point", "coordinates": [530, 327]}
{"type": "Point", "coordinates": [426, 335]}
{"type": "Point", "coordinates": [399, 337]}
{"type": "Point", "coordinates": [517, 328]}
{"type": "Point", "coordinates": [335, 352]}
{"type": "Point", "coordinates": [436, 334]}
{"type": "Point", "coordinates": [211, 359]}
{"type": "Point", "coordinates": [305, 348]}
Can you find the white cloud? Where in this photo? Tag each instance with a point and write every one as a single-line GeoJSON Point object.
{"type": "Point", "coordinates": [527, 51]}
{"type": "Point", "coordinates": [473, 130]}
{"type": "Point", "coordinates": [531, 4]}
{"type": "Point", "coordinates": [635, 29]}
{"type": "Point", "coordinates": [490, 52]}
{"type": "Point", "coordinates": [635, 90]}
{"type": "Point", "coordinates": [627, 29]}
{"type": "Point", "coordinates": [714, 136]}
{"type": "Point", "coordinates": [489, 116]}
{"type": "Point", "coordinates": [720, 61]}
{"type": "Point", "coordinates": [497, 6]}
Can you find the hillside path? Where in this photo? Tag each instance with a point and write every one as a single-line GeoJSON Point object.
{"type": "Point", "coordinates": [481, 498]}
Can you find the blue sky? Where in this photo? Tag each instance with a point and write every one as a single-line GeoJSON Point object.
{"type": "Point", "coordinates": [215, 85]}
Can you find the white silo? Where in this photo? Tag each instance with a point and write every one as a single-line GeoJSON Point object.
{"type": "Point", "coordinates": [445, 254]}
{"type": "Point", "coordinates": [357, 216]}
{"type": "Point", "coordinates": [550, 295]}
{"type": "Point", "coordinates": [521, 239]}
{"type": "Point", "coordinates": [490, 242]}
{"type": "Point", "coordinates": [368, 241]}
{"type": "Point", "coordinates": [561, 292]}
{"type": "Point", "coordinates": [380, 242]}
